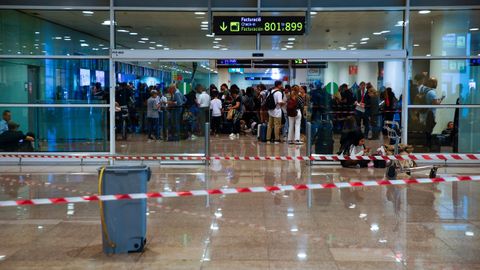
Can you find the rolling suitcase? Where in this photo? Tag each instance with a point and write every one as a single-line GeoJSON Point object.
{"type": "Point", "coordinates": [262, 132]}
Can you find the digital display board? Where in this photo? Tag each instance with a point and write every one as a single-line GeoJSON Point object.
{"type": "Point", "coordinates": [252, 25]}
{"type": "Point", "coordinates": [84, 77]}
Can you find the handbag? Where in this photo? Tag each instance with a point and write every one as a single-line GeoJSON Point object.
{"type": "Point", "coordinates": [230, 114]}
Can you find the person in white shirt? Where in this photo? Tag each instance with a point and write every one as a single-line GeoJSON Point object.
{"type": "Point", "coordinates": [216, 107]}
{"type": "Point", "coordinates": [161, 104]}
{"type": "Point", "coordinates": [275, 115]}
{"type": "Point", "coordinates": [203, 101]}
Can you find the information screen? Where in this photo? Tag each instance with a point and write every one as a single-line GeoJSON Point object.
{"type": "Point", "coordinates": [265, 25]}
{"type": "Point", "coordinates": [84, 77]}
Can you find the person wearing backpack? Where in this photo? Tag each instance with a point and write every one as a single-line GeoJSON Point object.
{"type": "Point", "coordinates": [274, 105]}
{"type": "Point", "coordinates": [294, 105]}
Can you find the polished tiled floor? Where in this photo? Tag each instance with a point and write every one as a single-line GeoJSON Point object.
{"type": "Point", "coordinates": [414, 227]}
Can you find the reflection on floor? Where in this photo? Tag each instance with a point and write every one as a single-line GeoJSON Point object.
{"type": "Point", "coordinates": [414, 227]}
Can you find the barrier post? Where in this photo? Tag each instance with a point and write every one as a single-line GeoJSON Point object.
{"type": "Point", "coordinates": [309, 142]}
{"type": "Point", "coordinates": [207, 142]}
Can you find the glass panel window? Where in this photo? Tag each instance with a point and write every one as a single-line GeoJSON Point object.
{"type": "Point", "coordinates": [171, 106]}
{"type": "Point", "coordinates": [58, 81]}
{"type": "Point", "coordinates": [342, 31]}
{"type": "Point", "coordinates": [57, 130]}
{"type": "Point", "coordinates": [444, 130]}
{"type": "Point", "coordinates": [445, 82]}
{"type": "Point", "coordinates": [46, 32]}
{"type": "Point", "coordinates": [174, 31]}
{"type": "Point", "coordinates": [445, 32]}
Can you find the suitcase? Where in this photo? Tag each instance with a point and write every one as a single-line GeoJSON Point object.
{"type": "Point", "coordinates": [324, 138]}
{"type": "Point", "coordinates": [125, 221]}
{"type": "Point", "coordinates": [262, 132]}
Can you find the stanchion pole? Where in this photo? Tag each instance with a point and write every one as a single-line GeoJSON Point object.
{"type": "Point", "coordinates": [207, 143]}
{"type": "Point", "coordinates": [309, 142]}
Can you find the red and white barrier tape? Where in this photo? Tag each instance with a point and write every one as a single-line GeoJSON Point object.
{"type": "Point", "coordinates": [431, 157]}
{"type": "Point", "coordinates": [228, 191]}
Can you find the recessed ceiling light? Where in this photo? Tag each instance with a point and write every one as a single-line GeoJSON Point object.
{"type": "Point", "coordinates": [87, 12]}
{"type": "Point", "coordinates": [416, 45]}
{"type": "Point", "coordinates": [313, 13]}
{"type": "Point", "coordinates": [354, 43]}
{"type": "Point", "coordinates": [151, 48]}
{"type": "Point", "coordinates": [216, 47]}
{"type": "Point", "coordinates": [210, 35]}
{"type": "Point", "coordinates": [288, 46]}
{"type": "Point", "coordinates": [159, 45]}
{"type": "Point", "coordinates": [152, 42]}
{"type": "Point", "coordinates": [224, 49]}
{"type": "Point", "coordinates": [141, 41]}
{"type": "Point", "coordinates": [215, 42]}
{"type": "Point", "coordinates": [82, 40]}
{"type": "Point", "coordinates": [199, 13]}
{"type": "Point", "coordinates": [133, 34]}
{"type": "Point", "coordinates": [144, 38]}
{"type": "Point", "coordinates": [353, 49]}
{"type": "Point", "coordinates": [166, 49]}
{"type": "Point", "coordinates": [365, 39]}
{"type": "Point", "coordinates": [205, 22]}
{"type": "Point", "coordinates": [84, 45]}
{"type": "Point", "coordinates": [385, 31]}
{"type": "Point", "coordinates": [218, 38]}
{"type": "Point", "coordinates": [204, 29]}
{"type": "Point", "coordinates": [399, 23]}
{"type": "Point", "coordinates": [424, 11]}
{"type": "Point", "coordinates": [377, 33]}
{"type": "Point", "coordinates": [57, 38]}
{"type": "Point", "coordinates": [37, 33]}
{"type": "Point", "coordinates": [67, 39]}
{"type": "Point", "coordinates": [122, 31]}
{"type": "Point", "coordinates": [284, 49]}
{"type": "Point", "coordinates": [107, 22]}
{"type": "Point", "coordinates": [291, 39]}
{"type": "Point", "coordinates": [363, 42]}
{"type": "Point", "coordinates": [474, 29]}
{"type": "Point", "coordinates": [290, 43]}
{"type": "Point", "coordinates": [350, 45]}
{"type": "Point", "coordinates": [428, 55]}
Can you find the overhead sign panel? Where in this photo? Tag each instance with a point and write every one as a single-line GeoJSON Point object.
{"type": "Point", "coordinates": [265, 25]}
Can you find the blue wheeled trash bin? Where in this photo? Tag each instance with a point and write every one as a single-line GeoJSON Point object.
{"type": "Point", "coordinates": [124, 222]}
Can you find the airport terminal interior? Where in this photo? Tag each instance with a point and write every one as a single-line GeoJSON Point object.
{"type": "Point", "coordinates": [266, 134]}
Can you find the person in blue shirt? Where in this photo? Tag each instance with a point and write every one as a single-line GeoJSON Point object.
{"type": "Point", "coordinates": [6, 117]}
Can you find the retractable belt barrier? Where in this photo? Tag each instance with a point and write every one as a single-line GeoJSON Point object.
{"type": "Point", "coordinates": [415, 157]}
{"type": "Point", "coordinates": [229, 191]}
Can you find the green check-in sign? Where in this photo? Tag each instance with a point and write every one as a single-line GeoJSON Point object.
{"type": "Point", "coordinates": [266, 25]}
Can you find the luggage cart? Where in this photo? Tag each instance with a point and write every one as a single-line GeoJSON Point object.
{"type": "Point", "coordinates": [396, 166]}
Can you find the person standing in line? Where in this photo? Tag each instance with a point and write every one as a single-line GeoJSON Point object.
{"type": "Point", "coordinates": [294, 106]}
{"type": "Point", "coordinates": [175, 107]}
{"type": "Point", "coordinates": [262, 89]}
{"type": "Point", "coordinates": [216, 107]}
{"type": "Point", "coordinates": [237, 114]}
{"type": "Point", "coordinates": [152, 115]}
{"type": "Point", "coordinates": [275, 112]}
{"type": "Point", "coordinates": [161, 103]}
{"type": "Point", "coordinates": [362, 99]}
{"type": "Point", "coordinates": [204, 107]}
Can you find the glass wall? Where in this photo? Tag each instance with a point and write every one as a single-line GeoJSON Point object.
{"type": "Point", "coordinates": [54, 81]}
{"type": "Point", "coordinates": [61, 129]}
{"type": "Point", "coordinates": [171, 128]}
{"type": "Point", "coordinates": [56, 61]}
{"type": "Point", "coordinates": [54, 32]}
